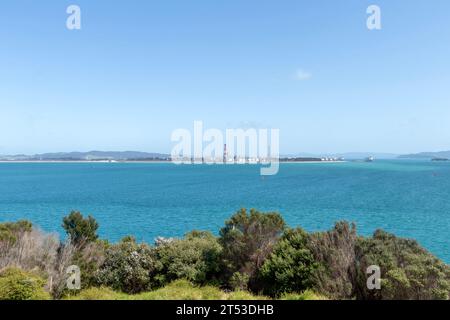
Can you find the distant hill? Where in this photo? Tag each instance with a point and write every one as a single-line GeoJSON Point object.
{"type": "Point", "coordinates": [363, 155]}
{"type": "Point", "coordinates": [427, 155]}
{"type": "Point", "coordinates": [347, 155]}
{"type": "Point", "coordinates": [91, 155]}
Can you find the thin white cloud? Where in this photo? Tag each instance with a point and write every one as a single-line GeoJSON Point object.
{"type": "Point", "coordinates": [302, 75]}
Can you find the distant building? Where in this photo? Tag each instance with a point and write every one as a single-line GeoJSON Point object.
{"type": "Point", "coordinates": [225, 154]}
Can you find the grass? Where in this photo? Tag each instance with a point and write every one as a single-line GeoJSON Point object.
{"type": "Point", "coordinates": [99, 294]}
{"type": "Point", "coordinates": [184, 290]}
{"type": "Point", "coordinates": [177, 290]}
{"type": "Point", "coordinates": [305, 295]}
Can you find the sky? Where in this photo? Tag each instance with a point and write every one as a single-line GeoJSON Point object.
{"type": "Point", "coordinates": [138, 70]}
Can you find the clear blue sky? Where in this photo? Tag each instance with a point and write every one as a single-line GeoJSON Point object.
{"type": "Point", "coordinates": [140, 69]}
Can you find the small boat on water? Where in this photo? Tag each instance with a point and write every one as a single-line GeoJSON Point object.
{"type": "Point", "coordinates": [369, 159]}
{"type": "Point", "coordinates": [440, 159]}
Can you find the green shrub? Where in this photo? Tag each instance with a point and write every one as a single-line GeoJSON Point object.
{"type": "Point", "coordinates": [239, 281]}
{"type": "Point", "coordinates": [291, 265]}
{"type": "Point", "coordinates": [334, 251]}
{"type": "Point", "coordinates": [10, 230]}
{"type": "Point", "coordinates": [89, 258]}
{"type": "Point", "coordinates": [128, 267]}
{"type": "Point", "coordinates": [16, 284]}
{"type": "Point", "coordinates": [407, 270]}
{"type": "Point", "coordinates": [247, 240]}
{"type": "Point", "coordinates": [195, 258]}
{"type": "Point", "coordinates": [80, 230]}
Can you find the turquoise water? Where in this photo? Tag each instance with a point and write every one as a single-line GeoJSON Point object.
{"type": "Point", "coordinates": [409, 198]}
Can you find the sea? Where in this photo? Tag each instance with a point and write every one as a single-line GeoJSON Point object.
{"type": "Point", "coordinates": [410, 198]}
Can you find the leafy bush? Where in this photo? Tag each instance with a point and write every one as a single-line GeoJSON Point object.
{"type": "Point", "coordinates": [11, 244]}
{"type": "Point", "coordinates": [10, 230]}
{"type": "Point", "coordinates": [19, 244]}
{"type": "Point", "coordinates": [195, 258]}
{"type": "Point", "coordinates": [291, 265]}
{"type": "Point", "coordinates": [128, 267]}
{"type": "Point", "coordinates": [30, 249]}
{"type": "Point", "coordinates": [247, 239]}
{"type": "Point", "coordinates": [407, 270]}
{"type": "Point", "coordinates": [79, 229]}
{"type": "Point", "coordinates": [239, 281]}
{"type": "Point", "coordinates": [89, 259]}
{"type": "Point", "coordinates": [16, 284]}
{"type": "Point", "coordinates": [334, 251]}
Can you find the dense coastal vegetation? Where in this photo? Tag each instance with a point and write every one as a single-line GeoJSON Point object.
{"type": "Point", "coordinates": [255, 256]}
